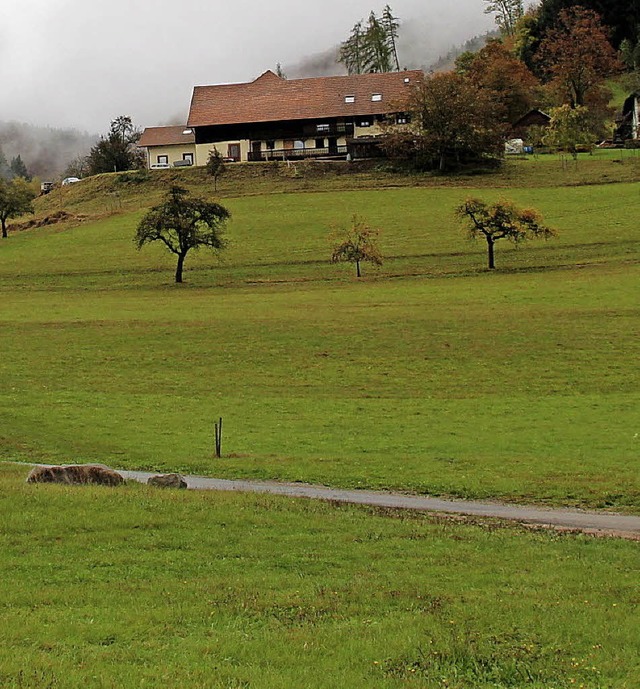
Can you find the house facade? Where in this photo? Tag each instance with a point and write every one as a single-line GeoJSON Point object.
{"type": "Point", "coordinates": [272, 118]}
{"type": "Point", "coordinates": [629, 127]}
{"type": "Point", "coordinates": [168, 146]}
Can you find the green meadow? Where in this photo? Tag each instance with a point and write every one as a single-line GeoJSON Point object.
{"type": "Point", "coordinates": [429, 375]}
{"type": "Point", "coordinates": [134, 588]}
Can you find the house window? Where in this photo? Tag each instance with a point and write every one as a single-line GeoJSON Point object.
{"type": "Point", "coordinates": [349, 99]}
{"type": "Point", "coordinates": [364, 123]}
{"type": "Point", "coordinates": [271, 145]}
{"type": "Point", "coordinates": [298, 144]}
{"type": "Point", "coordinates": [323, 128]}
{"type": "Point", "coordinates": [376, 97]}
{"type": "Point", "coordinates": [163, 160]}
{"type": "Point", "coordinates": [402, 118]}
{"type": "Point", "coordinates": [320, 143]}
{"type": "Point", "coordinates": [188, 158]}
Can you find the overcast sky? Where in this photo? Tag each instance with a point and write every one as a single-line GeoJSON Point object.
{"type": "Point", "coordinates": [80, 63]}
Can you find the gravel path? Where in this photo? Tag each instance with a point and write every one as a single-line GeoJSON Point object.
{"type": "Point", "coordinates": [601, 523]}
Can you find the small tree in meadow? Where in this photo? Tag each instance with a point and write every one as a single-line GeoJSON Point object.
{"type": "Point", "coordinates": [501, 220]}
{"type": "Point", "coordinates": [215, 166]}
{"type": "Point", "coordinates": [183, 223]}
{"type": "Point", "coordinates": [356, 244]}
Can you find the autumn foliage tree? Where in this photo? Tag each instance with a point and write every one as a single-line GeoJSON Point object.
{"type": "Point", "coordinates": [183, 223]}
{"type": "Point", "coordinates": [453, 122]}
{"type": "Point", "coordinates": [512, 86]}
{"type": "Point", "coordinates": [501, 220]}
{"type": "Point", "coordinates": [576, 56]}
{"type": "Point", "coordinates": [356, 244]}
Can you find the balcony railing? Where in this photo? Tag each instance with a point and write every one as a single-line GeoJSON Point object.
{"type": "Point", "coordinates": [341, 129]}
{"type": "Point", "coordinates": [297, 153]}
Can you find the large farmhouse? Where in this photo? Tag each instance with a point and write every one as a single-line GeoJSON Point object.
{"type": "Point", "coordinates": [273, 118]}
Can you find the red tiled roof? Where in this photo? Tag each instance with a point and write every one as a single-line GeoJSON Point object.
{"type": "Point", "coordinates": [166, 136]}
{"type": "Point", "coordinates": [271, 99]}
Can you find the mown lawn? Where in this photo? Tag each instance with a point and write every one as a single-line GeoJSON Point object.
{"type": "Point", "coordinates": [133, 588]}
{"type": "Point", "coordinates": [430, 375]}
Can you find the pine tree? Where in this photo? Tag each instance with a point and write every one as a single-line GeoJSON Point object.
{"type": "Point", "coordinates": [391, 26]}
{"type": "Point", "coordinates": [377, 52]}
{"type": "Point", "coordinates": [372, 47]}
{"type": "Point", "coordinates": [352, 50]}
{"type": "Point", "coordinates": [19, 169]}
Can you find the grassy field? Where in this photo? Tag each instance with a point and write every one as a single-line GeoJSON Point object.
{"type": "Point", "coordinates": [430, 375]}
{"type": "Point", "coordinates": [133, 588]}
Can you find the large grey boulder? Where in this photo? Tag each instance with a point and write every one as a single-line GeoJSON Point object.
{"type": "Point", "coordinates": [167, 481]}
{"type": "Point", "coordinates": [76, 474]}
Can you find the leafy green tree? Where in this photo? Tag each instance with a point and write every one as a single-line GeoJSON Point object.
{"type": "Point", "coordinates": [356, 244]}
{"type": "Point", "coordinates": [215, 166]}
{"type": "Point", "coordinates": [507, 14]}
{"type": "Point", "coordinates": [501, 220]}
{"type": "Point", "coordinates": [16, 198]}
{"type": "Point", "coordinates": [569, 130]}
{"type": "Point", "coordinates": [183, 223]}
{"type": "Point", "coordinates": [19, 169]}
{"type": "Point", "coordinates": [630, 53]}
{"type": "Point", "coordinates": [117, 151]}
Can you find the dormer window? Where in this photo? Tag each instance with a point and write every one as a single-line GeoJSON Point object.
{"type": "Point", "coordinates": [349, 99]}
{"type": "Point", "coordinates": [406, 80]}
{"type": "Point", "coordinates": [376, 97]}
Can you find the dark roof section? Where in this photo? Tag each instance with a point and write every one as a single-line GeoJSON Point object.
{"type": "Point", "coordinates": [272, 99]}
{"type": "Point", "coordinates": [534, 116]}
{"type": "Point", "coordinates": [166, 136]}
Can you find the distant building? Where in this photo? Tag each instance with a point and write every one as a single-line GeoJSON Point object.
{"type": "Point", "coordinates": [628, 124]}
{"type": "Point", "coordinates": [534, 118]}
{"type": "Point", "coordinates": [168, 146]}
{"type": "Point", "coordinates": [272, 118]}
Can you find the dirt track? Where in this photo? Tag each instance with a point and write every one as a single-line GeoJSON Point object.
{"type": "Point", "coordinates": [598, 523]}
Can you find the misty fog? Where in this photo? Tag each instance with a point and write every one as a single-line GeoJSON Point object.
{"type": "Point", "coordinates": [72, 63]}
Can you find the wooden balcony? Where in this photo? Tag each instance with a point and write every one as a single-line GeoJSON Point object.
{"type": "Point", "coordinates": [297, 153]}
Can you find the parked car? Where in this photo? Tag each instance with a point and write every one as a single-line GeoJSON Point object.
{"type": "Point", "coordinates": [70, 180]}
{"type": "Point", "coordinates": [46, 187]}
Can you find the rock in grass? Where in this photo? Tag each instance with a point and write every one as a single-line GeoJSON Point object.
{"type": "Point", "coordinates": [76, 474]}
{"type": "Point", "coordinates": [167, 481]}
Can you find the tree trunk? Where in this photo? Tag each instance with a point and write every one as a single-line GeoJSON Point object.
{"type": "Point", "coordinates": [4, 229]}
{"type": "Point", "coordinates": [179, 267]}
{"type": "Point", "coordinates": [358, 268]}
{"type": "Point", "coordinates": [490, 244]}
